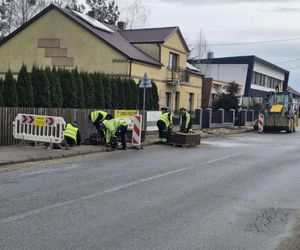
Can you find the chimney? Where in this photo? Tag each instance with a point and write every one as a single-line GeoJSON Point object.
{"type": "Point", "coordinates": [121, 26]}
{"type": "Point", "coordinates": [210, 55]}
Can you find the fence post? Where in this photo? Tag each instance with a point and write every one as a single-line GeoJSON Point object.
{"type": "Point", "coordinates": [222, 115]}
{"type": "Point", "coordinates": [243, 117]}
{"type": "Point", "coordinates": [252, 116]}
{"type": "Point", "coordinates": [206, 118]}
{"type": "Point", "coordinates": [232, 112]}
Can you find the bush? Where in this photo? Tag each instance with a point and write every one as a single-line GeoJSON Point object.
{"type": "Point", "coordinates": [55, 88]}
{"type": "Point", "coordinates": [99, 90]}
{"type": "Point", "coordinates": [107, 92]}
{"type": "Point", "coordinates": [228, 101]}
{"type": "Point", "coordinates": [88, 89]}
{"type": "Point", "coordinates": [130, 103]}
{"type": "Point", "coordinates": [115, 93]}
{"type": "Point", "coordinates": [77, 82]}
{"type": "Point", "coordinates": [69, 90]}
{"type": "Point", "coordinates": [24, 88]}
{"type": "Point", "coordinates": [9, 90]}
{"type": "Point", "coordinates": [122, 98]}
{"type": "Point", "coordinates": [41, 89]}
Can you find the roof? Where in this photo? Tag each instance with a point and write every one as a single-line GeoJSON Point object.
{"type": "Point", "coordinates": [293, 91]}
{"type": "Point", "coordinates": [152, 35]}
{"type": "Point", "coordinates": [193, 70]}
{"type": "Point", "coordinates": [239, 60]}
{"type": "Point", "coordinates": [114, 40]}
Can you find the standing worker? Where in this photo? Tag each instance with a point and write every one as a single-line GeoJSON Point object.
{"type": "Point", "coordinates": [113, 128]}
{"type": "Point", "coordinates": [185, 121]}
{"type": "Point", "coordinates": [96, 118]}
{"type": "Point", "coordinates": [72, 134]}
{"type": "Point", "coordinates": [164, 124]}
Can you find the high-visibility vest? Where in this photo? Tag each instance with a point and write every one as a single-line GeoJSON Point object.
{"type": "Point", "coordinates": [187, 119]}
{"type": "Point", "coordinates": [95, 114]}
{"type": "Point", "coordinates": [111, 127]}
{"type": "Point", "coordinates": [165, 118]}
{"type": "Point", "coordinates": [71, 131]}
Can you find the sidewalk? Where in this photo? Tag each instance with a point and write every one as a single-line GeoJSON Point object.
{"type": "Point", "coordinates": [20, 154]}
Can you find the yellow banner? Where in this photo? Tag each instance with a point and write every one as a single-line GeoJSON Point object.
{"type": "Point", "coordinates": [40, 121]}
{"type": "Point", "coordinates": [123, 114]}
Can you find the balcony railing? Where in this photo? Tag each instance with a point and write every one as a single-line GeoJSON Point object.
{"type": "Point", "coordinates": [177, 74]}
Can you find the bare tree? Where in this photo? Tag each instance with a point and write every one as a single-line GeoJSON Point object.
{"type": "Point", "coordinates": [14, 13]}
{"type": "Point", "coordinates": [136, 15]}
{"type": "Point", "coordinates": [200, 49]}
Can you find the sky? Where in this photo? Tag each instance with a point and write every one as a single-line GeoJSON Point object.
{"type": "Point", "coordinates": [236, 21]}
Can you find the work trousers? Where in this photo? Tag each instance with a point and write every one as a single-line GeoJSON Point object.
{"type": "Point", "coordinates": [162, 129]}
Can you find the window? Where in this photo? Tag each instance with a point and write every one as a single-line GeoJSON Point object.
{"type": "Point", "coordinates": [168, 99]}
{"type": "Point", "coordinates": [191, 101]}
{"type": "Point", "coordinates": [173, 61]}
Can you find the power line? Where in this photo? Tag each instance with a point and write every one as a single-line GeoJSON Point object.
{"type": "Point", "coordinates": [246, 43]}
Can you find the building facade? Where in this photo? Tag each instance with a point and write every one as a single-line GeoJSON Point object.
{"type": "Point", "coordinates": [62, 38]}
{"type": "Point", "coordinates": [211, 89]}
{"type": "Point", "coordinates": [256, 75]}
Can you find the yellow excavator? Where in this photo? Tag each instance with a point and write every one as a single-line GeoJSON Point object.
{"type": "Point", "coordinates": [281, 112]}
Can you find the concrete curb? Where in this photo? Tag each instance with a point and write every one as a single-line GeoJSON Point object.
{"type": "Point", "coordinates": [69, 154]}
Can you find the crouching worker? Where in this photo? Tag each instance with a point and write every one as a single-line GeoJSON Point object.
{"type": "Point", "coordinates": [185, 121]}
{"type": "Point", "coordinates": [96, 119]}
{"type": "Point", "coordinates": [114, 128]}
{"type": "Point", "coordinates": [72, 134]}
{"type": "Point", "coordinates": [164, 124]}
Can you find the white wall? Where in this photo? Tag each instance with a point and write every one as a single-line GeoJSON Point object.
{"type": "Point", "coordinates": [226, 72]}
{"type": "Point", "coordinates": [260, 68]}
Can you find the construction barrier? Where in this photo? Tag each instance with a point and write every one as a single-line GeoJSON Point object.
{"type": "Point", "coordinates": [126, 115]}
{"type": "Point", "coordinates": [39, 128]}
{"type": "Point", "coordinates": [137, 130]}
{"type": "Point", "coordinates": [261, 122]}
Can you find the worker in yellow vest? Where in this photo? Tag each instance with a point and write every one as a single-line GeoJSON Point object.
{"type": "Point", "coordinates": [185, 121]}
{"type": "Point", "coordinates": [72, 134]}
{"type": "Point", "coordinates": [164, 124]}
{"type": "Point", "coordinates": [96, 119]}
{"type": "Point", "coordinates": [114, 128]}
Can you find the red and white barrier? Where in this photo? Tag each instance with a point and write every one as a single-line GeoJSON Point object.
{"type": "Point", "coordinates": [39, 128]}
{"type": "Point", "coordinates": [261, 123]}
{"type": "Point", "coordinates": [137, 130]}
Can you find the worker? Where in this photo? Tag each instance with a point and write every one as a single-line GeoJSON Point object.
{"type": "Point", "coordinates": [164, 124]}
{"type": "Point", "coordinates": [185, 121]}
{"type": "Point", "coordinates": [72, 134]}
{"type": "Point", "coordinates": [114, 128]}
{"type": "Point", "coordinates": [95, 119]}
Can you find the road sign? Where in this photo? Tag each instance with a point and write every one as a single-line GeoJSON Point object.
{"type": "Point", "coordinates": [40, 121]}
{"type": "Point", "coordinates": [146, 82]}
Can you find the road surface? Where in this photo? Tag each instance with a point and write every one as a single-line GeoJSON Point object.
{"type": "Point", "coordinates": [236, 193]}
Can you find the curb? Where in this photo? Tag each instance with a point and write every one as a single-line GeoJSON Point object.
{"type": "Point", "coordinates": [78, 153]}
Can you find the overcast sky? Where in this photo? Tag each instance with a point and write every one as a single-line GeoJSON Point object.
{"type": "Point", "coordinates": [233, 21]}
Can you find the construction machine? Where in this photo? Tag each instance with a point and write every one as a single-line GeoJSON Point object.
{"type": "Point", "coordinates": [281, 112]}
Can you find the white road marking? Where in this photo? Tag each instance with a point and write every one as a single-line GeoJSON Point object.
{"type": "Point", "coordinates": [108, 191]}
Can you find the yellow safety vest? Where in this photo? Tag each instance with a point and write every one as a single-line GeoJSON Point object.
{"type": "Point", "coordinates": [187, 119]}
{"type": "Point", "coordinates": [95, 114]}
{"type": "Point", "coordinates": [71, 131]}
{"type": "Point", "coordinates": [165, 118]}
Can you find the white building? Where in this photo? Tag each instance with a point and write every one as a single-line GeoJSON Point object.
{"type": "Point", "coordinates": [256, 75]}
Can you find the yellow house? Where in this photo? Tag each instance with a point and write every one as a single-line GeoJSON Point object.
{"type": "Point", "coordinates": [64, 38]}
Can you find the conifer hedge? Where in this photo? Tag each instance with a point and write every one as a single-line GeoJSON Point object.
{"type": "Point", "coordinates": [62, 88]}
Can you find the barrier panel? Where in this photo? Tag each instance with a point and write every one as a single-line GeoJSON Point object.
{"type": "Point", "coordinates": [39, 128]}
{"type": "Point", "coordinates": [152, 117]}
{"type": "Point", "coordinates": [137, 130]}
{"type": "Point", "coordinates": [261, 122]}
{"type": "Point", "coordinates": [126, 115]}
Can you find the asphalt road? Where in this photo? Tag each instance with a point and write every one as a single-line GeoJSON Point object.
{"type": "Point", "coordinates": [235, 193]}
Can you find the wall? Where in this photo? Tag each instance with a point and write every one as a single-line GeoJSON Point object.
{"type": "Point", "coordinates": [152, 49]}
{"type": "Point", "coordinates": [265, 70]}
{"type": "Point", "coordinates": [226, 72]}
{"type": "Point", "coordinates": [89, 52]}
